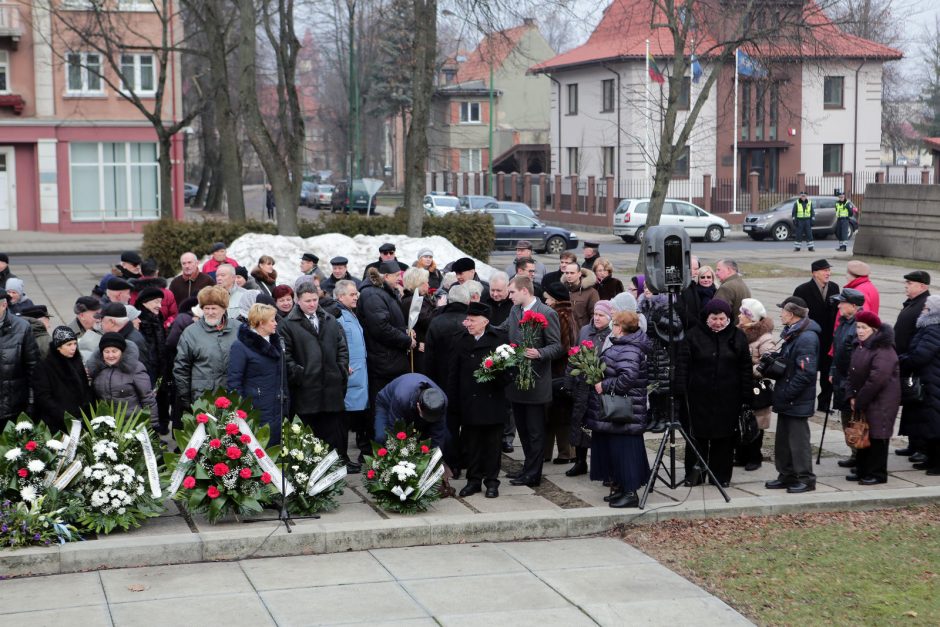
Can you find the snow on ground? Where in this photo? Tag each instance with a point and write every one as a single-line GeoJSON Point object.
{"type": "Point", "coordinates": [360, 251]}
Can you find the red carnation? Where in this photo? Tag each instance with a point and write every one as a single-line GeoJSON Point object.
{"type": "Point", "coordinates": [190, 453]}
{"type": "Point", "coordinates": [245, 473]}
{"type": "Point", "coordinates": [370, 474]}
{"type": "Point", "coordinates": [233, 452]}
{"type": "Point", "coordinates": [513, 346]}
{"type": "Point", "coordinates": [215, 443]}
{"type": "Point", "coordinates": [223, 403]}
{"type": "Point", "coordinates": [382, 452]}
{"type": "Point", "coordinates": [245, 438]}
{"type": "Point", "coordinates": [425, 449]}
{"type": "Point", "coordinates": [213, 492]}
{"type": "Point", "coordinates": [573, 351]}
{"type": "Point", "coordinates": [30, 446]}
{"type": "Point", "coordinates": [265, 478]}
{"type": "Point", "coordinates": [488, 363]}
{"type": "Point", "coordinates": [259, 453]}
{"type": "Point", "coordinates": [189, 482]}
{"type": "Point", "coordinates": [587, 344]}
{"type": "Point", "coordinates": [202, 418]}
{"type": "Point", "coordinates": [220, 469]}
{"type": "Point", "coordinates": [432, 291]}
{"type": "Point", "coordinates": [401, 435]}
{"type": "Point", "coordinates": [241, 414]}
{"type": "Point", "coordinates": [231, 428]}
{"type": "Point", "coordinates": [23, 472]}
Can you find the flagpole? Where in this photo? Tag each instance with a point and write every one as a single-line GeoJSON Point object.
{"type": "Point", "coordinates": [649, 113]}
{"type": "Point", "coordinates": [734, 185]}
{"type": "Point", "coordinates": [691, 104]}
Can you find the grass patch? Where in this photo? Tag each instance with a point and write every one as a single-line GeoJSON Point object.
{"type": "Point", "coordinates": [900, 262]}
{"type": "Point", "coordinates": [753, 270]}
{"type": "Point", "coordinates": [842, 568]}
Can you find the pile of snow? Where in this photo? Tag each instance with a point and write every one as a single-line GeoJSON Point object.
{"type": "Point", "coordinates": [360, 251]}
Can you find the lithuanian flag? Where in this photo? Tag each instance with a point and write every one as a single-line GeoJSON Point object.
{"type": "Point", "coordinates": [655, 74]}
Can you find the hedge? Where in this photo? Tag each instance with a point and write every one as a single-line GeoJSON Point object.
{"type": "Point", "coordinates": [166, 240]}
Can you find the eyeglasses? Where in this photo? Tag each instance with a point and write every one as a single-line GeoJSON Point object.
{"type": "Point", "coordinates": [706, 276]}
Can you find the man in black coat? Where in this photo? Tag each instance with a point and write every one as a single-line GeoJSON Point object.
{"type": "Point", "coordinates": [19, 354]}
{"type": "Point", "coordinates": [481, 409]}
{"type": "Point", "coordinates": [339, 273]}
{"type": "Point", "coordinates": [917, 290]}
{"type": "Point", "coordinates": [817, 293]}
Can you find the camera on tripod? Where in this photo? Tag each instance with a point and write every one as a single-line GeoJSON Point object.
{"type": "Point", "coordinates": [771, 366]}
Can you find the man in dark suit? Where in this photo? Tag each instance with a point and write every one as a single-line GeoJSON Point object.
{"type": "Point", "coordinates": [817, 293]}
{"type": "Point", "coordinates": [528, 406]}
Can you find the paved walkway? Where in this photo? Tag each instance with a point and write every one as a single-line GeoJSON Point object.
{"type": "Point", "coordinates": [590, 581]}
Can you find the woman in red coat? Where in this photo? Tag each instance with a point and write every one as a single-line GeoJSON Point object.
{"type": "Point", "coordinates": [875, 394]}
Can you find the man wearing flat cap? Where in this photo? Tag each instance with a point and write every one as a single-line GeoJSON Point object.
{"type": "Point", "coordinates": [794, 396]}
{"type": "Point", "coordinates": [524, 249]}
{"type": "Point", "coordinates": [844, 340]}
{"type": "Point", "coordinates": [20, 356]}
{"type": "Point", "coordinates": [858, 273]}
{"type": "Point", "coordinates": [219, 255]}
{"type": "Point", "coordinates": [128, 269]}
{"type": "Point", "coordinates": [339, 273]}
{"type": "Point", "coordinates": [117, 290]}
{"type": "Point", "coordinates": [386, 253]}
{"type": "Point", "coordinates": [480, 409]}
{"type": "Point", "coordinates": [818, 293]}
{"type": "Point", "coordinates": [86, 315]}
{"type": "Point", "coordinates": [803, 216]}
{"type": "Point", "coordinates": [592, 251]}
{"type": "Point", "coordinates": [917, 290]}
{"type": "Point", "coordinates": [309, 267]}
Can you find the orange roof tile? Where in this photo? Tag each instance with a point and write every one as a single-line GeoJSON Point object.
{"type": "Point", "coordinates": [932, 142]}
{"type": "Point", "coordinates": [494, 49]}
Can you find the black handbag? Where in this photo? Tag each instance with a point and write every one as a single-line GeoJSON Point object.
{"type": "Point", "coordinates": [748, 431]}
{"type": "Point", "coordinates": [616, 409]}
{"type": "Point", "coordinates": [912, 390]}
{"type": "Point", "coordinates": [763, 394]}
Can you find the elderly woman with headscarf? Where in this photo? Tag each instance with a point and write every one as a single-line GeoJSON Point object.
{"type": "Point", "coordinates": [758, 329]}
{"type": "Point", "coordinates": [720, 384]}
{"type": "Point", "coordinates": [118, 377]}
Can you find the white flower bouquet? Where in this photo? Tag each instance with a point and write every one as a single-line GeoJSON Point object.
{"type": "Point", "coordinates": [317, 471]}
{"type": "Point", "coordinates": [401, 473]}
{"type": "Point", "coordinates": [28, 458]}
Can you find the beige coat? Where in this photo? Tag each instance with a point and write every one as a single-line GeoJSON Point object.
{"type": "Point", "coordinates": [760, 340]}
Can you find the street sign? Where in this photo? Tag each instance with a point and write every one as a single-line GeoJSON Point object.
{"type": "Point", "coordinates": [372, 187]}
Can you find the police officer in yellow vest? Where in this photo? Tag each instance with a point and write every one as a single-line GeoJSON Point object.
{"type": "Point", "coordinates": [844, 211]}
{"type": "Point", "coordinates": [803, 215]}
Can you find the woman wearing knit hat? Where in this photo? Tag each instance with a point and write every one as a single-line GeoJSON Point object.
{"type": "Point", "coordinates": [60, 384]}
{"type": "Point", "coordinates": [118, 377]}
{"type": "Point", "coordinates": [16, 290]}
{"type": "Point", "coordinates": [558, 414]}
{"type": "Point", "coordinates": [922, 420]}
{"type": "Point", "coordinates": [874, 392]}
{"type": "Point", "coordinates": [758, 329]}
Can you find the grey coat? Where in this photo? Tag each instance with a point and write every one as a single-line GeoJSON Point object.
{"type": "Point", "coordinates": [201, 363]}
{"type": "Point", "coordinates": [549, 347]}
{"type": "Point", "coordinates": [126, 382]}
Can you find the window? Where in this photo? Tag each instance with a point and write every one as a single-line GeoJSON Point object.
{"type": "Point", "coordinates": [573, 161]}
{"type": "Point", "coordinates": [685, 94]}
{"type": "Point", "coordinates": [114, 181]}
{"type": "Point", "coordinates": [469, 112]}
{"type": "Point", "coordinates": [759, 111]}
{"type": "Point", "coordinates": [83, 73]}
{"type": "Point", "coordinates": [607, 95]}
{"type": "Point", "coordinates": [774, 112]}
{"type": "Point", "coordinates": [833, 87]}
{"type": "Point", "coordinates": [137, 73]}
{"type": "Point", "coordinates": [832, 159]}
{"type": "Point", "coordinates": [682, 163]}
{"type": "Point", "coordinates": [471, 160]}
{"type": "Point", "coordinates": [4, 72]}
{"type": "Point", "coordinates": [745, 123]}
{"type": "Point", "coordinates": [573, 99]}
{"type": "Point", "coordinates": [607, 154]}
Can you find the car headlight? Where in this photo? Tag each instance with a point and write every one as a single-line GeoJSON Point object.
{"type": "Point", "coordinates": [573, 235]}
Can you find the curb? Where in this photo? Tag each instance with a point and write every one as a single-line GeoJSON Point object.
{"type": "Point", "coordinates": [249, 541]}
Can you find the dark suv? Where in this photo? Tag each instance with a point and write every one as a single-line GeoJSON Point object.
{"type": "Point", "coordinates": [777, 222]}
{"type": "Point", "coordinates": [345, 202]}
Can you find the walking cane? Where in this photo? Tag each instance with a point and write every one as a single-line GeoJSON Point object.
{"type": "Point", "coordinates": [823, 436]}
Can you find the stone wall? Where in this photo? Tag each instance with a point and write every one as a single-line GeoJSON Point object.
{"type": "Point", "coordinates": [900, 221]}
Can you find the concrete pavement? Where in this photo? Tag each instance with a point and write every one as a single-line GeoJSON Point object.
{"type": "Point", "coordinates": [590, 581]}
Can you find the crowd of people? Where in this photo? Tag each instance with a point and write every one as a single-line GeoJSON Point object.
{"type": "Point", "coordinates": [404, 342]}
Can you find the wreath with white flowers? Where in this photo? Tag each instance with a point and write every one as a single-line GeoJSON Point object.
{"type": "Point", "coordinates": [402, 473]}
{"type": "Point", "coordinates": [317, 471]}
{"type": "Point", "coordinates": [28, 458]}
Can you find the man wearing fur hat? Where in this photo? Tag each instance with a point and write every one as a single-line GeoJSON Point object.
{"type": "Point", "coordinates": [794, 394]}
{"type": "Point", "coordinates": [818, 292]}
{"type": "Point", "coordinates": [201, 363]}
{"type": "Point", "coordinates": [858, 273]}
{"type": "Point", "coordinates": [849, 302]}
{"type": "Point", "coordinates": [19, 354]}
{"type": "Point", "coordinates": [580, 284]}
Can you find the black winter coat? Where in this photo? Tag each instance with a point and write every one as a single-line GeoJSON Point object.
{"type": "Point", "coordinates": [922, 420]}
{"type": "Point", "coordinates": [906, 326]}
{"type": "Point", "coordinates": [720, 380]}
{"type": "Point", "coordinates": [476, 404]}
{"type": "Point", "coordinates": [821, 310]}
{"type": "Point", "coordinates": [60, 386]}
{"type": "Point", "coordinates": [254, 371]}
{"type": "Point", "coordinates": [625, 375]}
{"type": "Point", "coordinates": [843, 344]}
{"type": "Point", "coordinates": [385, 327]}
{"type": "Point", "coordinates": [795, 393]}
{"type": "Point", "coordinates": [445, 330]}
{"type": "Point", "coordinates": [317, 362]}
{"type": "Point", "coordinates": [875, 382]}
{"type": "Point", "coordinates": [19, 355]}
{"type": "Point", "coordinates": [153, 331]}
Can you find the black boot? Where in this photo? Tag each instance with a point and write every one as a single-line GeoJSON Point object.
{"type": "Point", "coordinates": [580, 465]}
{"type": "Point", "coordinates": [627, 499]}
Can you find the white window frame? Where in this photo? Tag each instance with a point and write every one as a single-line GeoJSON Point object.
{"type": "Point", "coordinates": [136, 75]}
{"type": "Point", "coordinates": [132, 213]}
{"type": "Point", "coordinates": [85, 74]}
{"type": "Point", "coordinates": [466, 113]}
{"type": "Point", "coordinates": [473, 157]}
{"type": "Point", "coordinates": [5, 71]}
{"type": "Point", "coordinates": [139, 6]}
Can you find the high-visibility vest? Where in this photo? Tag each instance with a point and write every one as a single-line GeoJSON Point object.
{"type": "Point", "coordinates": [804, 211]}
{"type": "Point", "coordinates": [843, 209]}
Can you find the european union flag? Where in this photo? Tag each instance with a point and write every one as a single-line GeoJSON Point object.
{"type": "Point", "coordinates": [750, 67]}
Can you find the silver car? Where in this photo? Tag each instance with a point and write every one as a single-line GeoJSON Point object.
{"type": "Point", "coordinates": [630, 220]}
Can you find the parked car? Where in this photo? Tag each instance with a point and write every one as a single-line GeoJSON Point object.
{"type": "Point", "coordinates": [324, 195]}
{"type": "Point", "coordinates": [475, 203]}
{"type": "Point", "coordinates": [777, 222]}
{"type": "Point", "coordinates": [519, 207]}
{"type": "Point", "coordinates": [358, 200]}
{"type": "Point", "coordinates": [438, 205]}
{"type": "Point", "coordinates": [189, 192]}
{"type": "Point", "coordinates": [308, 193]}
{"type": "Point", "coordinates": [512, 227]}
{"type": "Point", "coordinates": [630, 220]}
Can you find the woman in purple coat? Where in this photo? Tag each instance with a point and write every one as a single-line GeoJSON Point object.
{"type": "Point", "coordinates": [875, 394]}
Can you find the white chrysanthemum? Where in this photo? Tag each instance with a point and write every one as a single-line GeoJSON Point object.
{"type": "Point", "coordinates": [13, 453]}
{"type": "Point", "coordinates": [318, 448]}
{"type": "Point", "coordinates": [28, 494]}
{"type": "Point", "coordinates": [87, 472]}
{"type": "Point", "coordinates": [140, 489]}
{"type": "Point", "coordinates": [121, 510]}
{"type": "Point", "coordinates": [55, 445]}
{"type": "Point", "coordinates": [98, 420]}
{"type": "Point", "coordinates": [24, 426]}
{"type": "Point", "coordinates": [110, 479]}
{"type": "Point", "coordinates": [36, 465]}
{"type": "Point", "coordinates": [295, 428]}
{"type": "Point", "coordinates": [128, 436]}
{"type": "Point", "coordinates": [301, 477]}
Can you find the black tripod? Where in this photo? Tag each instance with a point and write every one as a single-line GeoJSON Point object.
{"type": "Point", "coordinates": [674, 425]}
{"type": "Point", "coordinates": [283, 514]}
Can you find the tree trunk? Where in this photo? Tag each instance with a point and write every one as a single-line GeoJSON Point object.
{"type": "Point", "coordinates": [416, 146]}
{"type": "Point", "coordinates": [166, 175]}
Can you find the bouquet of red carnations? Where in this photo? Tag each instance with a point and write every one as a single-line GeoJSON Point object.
{"type": "Point", "coordinates": [531, 326]}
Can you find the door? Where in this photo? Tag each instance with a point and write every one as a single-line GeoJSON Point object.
{"type": "Point", "coordinates": [522, 228]}
{"type": "Point", "coordinates": [688, 218]}
{"type": "Point", "coordinates": [503, 231]}
{"type": "Point", "coordinates": [7, 189]}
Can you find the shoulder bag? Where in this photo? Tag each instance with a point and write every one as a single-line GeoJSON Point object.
{"type": "Point", "coordinates": [912, 390]}
{"type": "Point", "coordinates": [616, 409]}
{"type": "Point", "coordinates": [748, 431]}
{"type": "Point", "coordinates": [856, 432]}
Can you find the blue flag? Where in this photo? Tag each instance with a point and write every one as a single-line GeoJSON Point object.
{"type": "Point", "coordinates": [696, 70]}
{"type": "Point", "coordinates": [747, 66]}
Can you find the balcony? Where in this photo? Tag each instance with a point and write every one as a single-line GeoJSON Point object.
{"type": "Point", "coordinates": [14, 102]}
{"type": "Point", "coordinates": [11, 26]}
